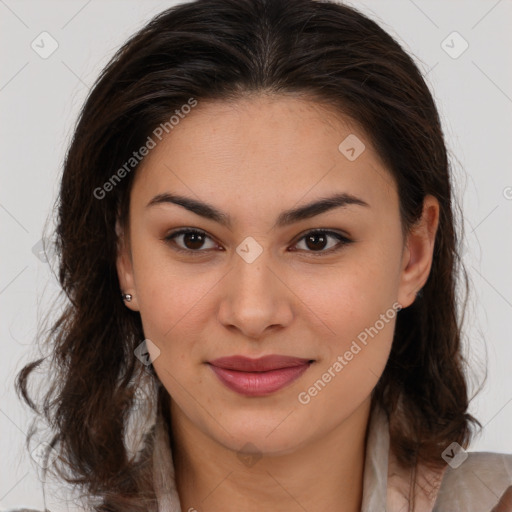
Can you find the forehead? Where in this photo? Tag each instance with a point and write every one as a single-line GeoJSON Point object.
{"type": "Point", "coordinates": [275, 147]}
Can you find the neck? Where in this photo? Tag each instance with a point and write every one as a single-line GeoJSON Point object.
{"type": "Point", "coordinates": [323, 474]}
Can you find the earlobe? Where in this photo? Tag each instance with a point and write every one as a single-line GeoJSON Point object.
{"type": "Point", "coordinates": [419, 252]}
{"type": "Point", "coordinates": [124, 267]}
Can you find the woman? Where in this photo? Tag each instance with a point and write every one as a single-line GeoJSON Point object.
{"type": "Point", "coordinates": [257, 242]}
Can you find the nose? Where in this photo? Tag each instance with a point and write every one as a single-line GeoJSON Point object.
{"type": "Point", "coordinates": [255, 298]}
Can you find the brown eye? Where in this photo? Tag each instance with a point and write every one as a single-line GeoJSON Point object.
{"type": "Point", "coordinates": [189, 240]}
{"type": "Point", "coordinates": [193, 240]}
{"type": "Point", "coordinates": [316, 241]}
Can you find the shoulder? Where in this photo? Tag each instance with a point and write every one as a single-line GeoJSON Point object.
{"type": "Point", "coordinates": [477, 484]}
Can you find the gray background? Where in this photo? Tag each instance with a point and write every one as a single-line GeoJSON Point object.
{"type": "Point", "coordinates": [39, 102]}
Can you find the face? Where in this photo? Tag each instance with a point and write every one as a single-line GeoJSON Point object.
{"type": "Point", "coordinates": [241, 277]}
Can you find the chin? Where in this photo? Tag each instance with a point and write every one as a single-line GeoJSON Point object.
{"type": "Point", "coordinates": [269, 436]}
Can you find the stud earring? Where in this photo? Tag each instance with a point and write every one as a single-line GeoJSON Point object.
{"type": "Point", "coordinates": [126, 297]}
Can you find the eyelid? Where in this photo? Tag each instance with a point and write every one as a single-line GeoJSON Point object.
{"type": "Point", "coordinates": [343, 240]}
{"type": "Point", "coordinates": [173, 234]}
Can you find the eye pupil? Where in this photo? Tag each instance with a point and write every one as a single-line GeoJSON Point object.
{"type": "Point", "coordinates": [197, 240]}
{"type": "Point", "coordinates": [316, 236]}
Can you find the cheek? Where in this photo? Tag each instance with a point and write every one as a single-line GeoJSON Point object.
{"type": "Point", "coordinates": [352, 296]}
{"type": "Point", "coordinates": [173, 308]}
{"type": "Point", "coordinates": [360, 310]}
{"type": "Point", "coordinates": [358, 304]}
{"type": "Point", "coordinates": [175, 305]}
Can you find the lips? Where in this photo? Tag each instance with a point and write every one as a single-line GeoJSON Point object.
{"type": "Point", "coordinates": [258, 377]}
{"type": "Point", "coordinates": [263, 364]}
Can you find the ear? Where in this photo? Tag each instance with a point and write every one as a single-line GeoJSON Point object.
{"type": "Point", "coordinates": [418, 252]}
{"type": "Point", "coordinates": [125, 267]}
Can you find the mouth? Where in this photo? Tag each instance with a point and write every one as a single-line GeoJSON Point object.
{"type": "Point", "coordinates": [259, 377]}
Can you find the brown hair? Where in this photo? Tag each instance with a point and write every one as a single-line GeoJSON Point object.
{"type": "Point", "coordinates": [223, 50]}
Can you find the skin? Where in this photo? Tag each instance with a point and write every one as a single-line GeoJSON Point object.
{"type": "Point", "coordinates": [253, 159]}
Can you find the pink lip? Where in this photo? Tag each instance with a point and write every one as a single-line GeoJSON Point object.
{"type": "Point", "coordinates": [258, 377]}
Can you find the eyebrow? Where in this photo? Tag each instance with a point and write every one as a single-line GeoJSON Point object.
{"type": "Point", "coordinates": [285, 218]}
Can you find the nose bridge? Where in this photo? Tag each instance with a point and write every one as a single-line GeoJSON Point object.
{"type": "Point", "coordinates": [255, 298]}
{"type": "Point", "coordinates": [252, 275]}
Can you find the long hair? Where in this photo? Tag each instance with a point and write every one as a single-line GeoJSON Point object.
{"type": "Point", "coordinates": [224, 50]}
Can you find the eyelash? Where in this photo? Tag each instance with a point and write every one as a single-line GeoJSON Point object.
{"type": "Point", "coordinates": [343, 241]}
